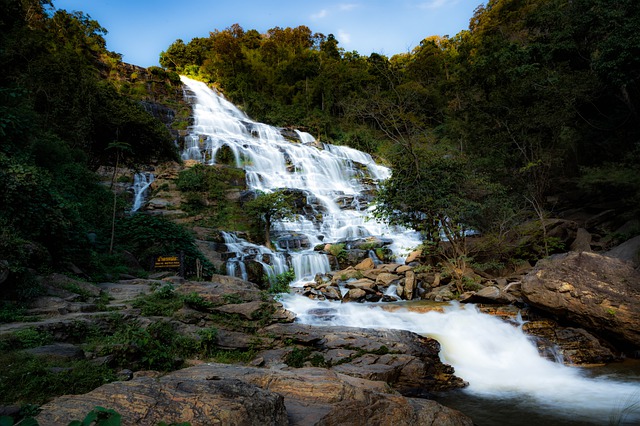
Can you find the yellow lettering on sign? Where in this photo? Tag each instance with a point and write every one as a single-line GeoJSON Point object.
{"type": "Point", "coordinates": [167, 262]}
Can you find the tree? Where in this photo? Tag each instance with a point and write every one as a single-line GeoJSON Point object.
{"type": "Point", "coordinates": [267, 207]}
{"type": "Point", "coordinates": [439, 194]}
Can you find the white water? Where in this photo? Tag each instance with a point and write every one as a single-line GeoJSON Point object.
{"type": "Point", "coordinates": [335, 180]}
{"type": "Point", "coordinates": [272, 263]}
{"type": "Point", "coordinates": [141, 182]}
{"type": "Point", "coordinates": [497, 359]}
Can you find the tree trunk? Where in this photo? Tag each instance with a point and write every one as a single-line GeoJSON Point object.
{"type": "Point", "coordinates": [267, 232]}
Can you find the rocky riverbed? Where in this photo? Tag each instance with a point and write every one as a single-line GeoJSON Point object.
{"type": "Point", "coordinates": [583, 303]}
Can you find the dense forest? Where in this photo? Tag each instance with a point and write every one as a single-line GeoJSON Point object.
{"type": "Point", "coordinates": [63, 117]}
{"type": "Point", "coordinates": [532, 110]}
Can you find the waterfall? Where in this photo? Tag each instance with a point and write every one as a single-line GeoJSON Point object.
{"type": "Point", "coordinates": [241, 251]}
{"type": "Point", "coordinates": [499, 361]}
{"type": "Point", "coordinates": [141, 182]}
{"type": "Point", "coordinates": [336, 181]}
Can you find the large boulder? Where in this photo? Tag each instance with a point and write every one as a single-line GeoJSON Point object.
{"type": "Point", "coordinates": [234, 395]}
{"type": "Point", "coordinates": [148, 401]}
{"type": "Point", "coordinates": [598, 293]}
{"type": "Point", "coordinates": [407, 361]}
{"type": "Point", "coordinates": [629, 251]}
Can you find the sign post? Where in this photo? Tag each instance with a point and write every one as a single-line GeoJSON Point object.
{"type": "Point", "coordinates": [170, 262]}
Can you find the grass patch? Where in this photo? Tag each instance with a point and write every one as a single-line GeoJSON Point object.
{"type": "Point", "coordinates": [163, 301]}
{"type": "Point", "coordinates": [25, 339]}
{"type": "Point", "coordinates": [25, 379]}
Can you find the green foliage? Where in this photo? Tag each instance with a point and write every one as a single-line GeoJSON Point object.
{"type": "Point", "coordinates": [208, 341]}
{"type": "Point", "coordinates": [25, 338]}
{"type": "Point", "coordinates": [12, 312]}
{"type": "Point", "coordinates": [297, 357]}
{"type": "Point", "coordinates": [338, 250]}
{"type": "Point", "coordinates": [99, 416]}
{"type": "Point", "coordinates": [266, 207]}
{"type": "Point", "coordinates": [279, 283]}
{"type": "Point", "coordinates": [161, 302]}
{"type": "Point", "coordinates": [58, 115]}
{"type": "Point", "coordinates": [28, 379]}
{"type": "Point", "coordinates": [196, 301]}
{"type": "Point", "coordinates": [156, 347]}
{"type": "Point", "coordinates": [205, 189]}
{"type": "Point", "coordinates": [148, 236]}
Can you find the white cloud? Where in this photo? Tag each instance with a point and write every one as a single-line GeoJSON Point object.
{"type": "Point", "coordinates": [322, 14]}
{"type": "Point", "coordinates": [344, 37]}
{"type": "Point", "coordinates": [436, 4]}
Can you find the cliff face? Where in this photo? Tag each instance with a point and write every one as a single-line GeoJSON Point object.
{"type": "Point", "coordinates": [158, 91]}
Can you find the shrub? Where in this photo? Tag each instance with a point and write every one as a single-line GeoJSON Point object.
{"type": "Point", "coordinates": [148, 236]}
{"type": "Point", "coordinates": [162, 302]}
{"type": "Point", "coordinates": [280, 282]}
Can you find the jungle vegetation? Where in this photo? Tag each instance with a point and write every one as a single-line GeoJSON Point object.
{"type": "Point", "coordinates": [532, 109]}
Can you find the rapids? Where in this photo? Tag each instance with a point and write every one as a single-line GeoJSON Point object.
{"type": "Point", "coordinates": [498, 360]}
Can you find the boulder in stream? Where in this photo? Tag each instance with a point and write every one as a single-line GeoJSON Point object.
{"type": "Point", "coordinates": [596, 292]}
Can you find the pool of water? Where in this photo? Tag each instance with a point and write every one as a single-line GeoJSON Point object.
{"type": "Point", "coordinates": [519, 410]}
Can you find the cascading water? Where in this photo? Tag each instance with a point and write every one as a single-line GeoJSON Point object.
{"type": "Point", "coordinates": [141, 182]}
{"type": "Point", "coordinates": [497, 359]}
{"type": "Point", "coordinates": [336, 181]}
{"type": "Point", "coordinates": [272, 263]}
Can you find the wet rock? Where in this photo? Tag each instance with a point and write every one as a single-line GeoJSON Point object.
{"type": "Point", "coordinates": [582, 241]}
{"type": "Point", "coordinates": [346, 274]}
{"type": "Point", "coordinates": [128, 290]}
{"type": "Point", "coordinates": [226, 339]}
{"type": "Point", "coordinates": [363, 284]}
{"type": "Point", "coordinates": [409, 284]}
{"type": "Point", "coordinates": [385, 279]}
{"type": "Point", "coordinates": [573, 345]}
{"type": "Point", "coordinates": [315, 396]}
{"type": "Point", "coordinates": [365, 264]}
{"type": "Point", "coordinates": [489, 294]}
{"type": "Point", "coordinates": [354, 295]}
{"type": "Point", "coordinates": [403, 359]}
{"type": "Point", "coordinates": [397, 411]}
{"type": "Point", "coordinates": [249, 310]}
{"type": "Point", "coordinates": [628, 251]}
{"type": "Point", "coordinates": [413, 256]}
{"type": "Point", "coordinates": [222, 286]}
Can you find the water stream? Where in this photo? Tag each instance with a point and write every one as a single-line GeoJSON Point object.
{"type": "Point", "coordinates": [141, 183]}
{"type": "Point", "coordinates": [509, 382]}
{"type": "Point", "coordinates": [337, 182]}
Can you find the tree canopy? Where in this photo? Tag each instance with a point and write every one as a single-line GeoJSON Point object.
{"type": "Point", "coordinates": [59, 113]}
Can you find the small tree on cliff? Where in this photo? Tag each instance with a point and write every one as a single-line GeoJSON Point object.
{"type": "Point", "coordinates": [267, 207]}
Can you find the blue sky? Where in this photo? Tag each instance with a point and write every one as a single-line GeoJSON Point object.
{"type": "Point", "coordinates": [141, 29]}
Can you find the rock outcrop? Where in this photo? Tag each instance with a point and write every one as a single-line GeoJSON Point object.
{"type": "Point", "coordinates": [234, 395]}
{"type": "Point", "coordinates": [410, 363]}
{"type": "Point", "coordinates": [596, 292]}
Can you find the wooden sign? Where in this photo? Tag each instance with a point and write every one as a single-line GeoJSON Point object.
{"type": "Point", "coordinates": [167, 262]}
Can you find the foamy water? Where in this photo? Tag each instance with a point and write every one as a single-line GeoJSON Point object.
{"type": "Point", "coordinates": [496, 358]}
